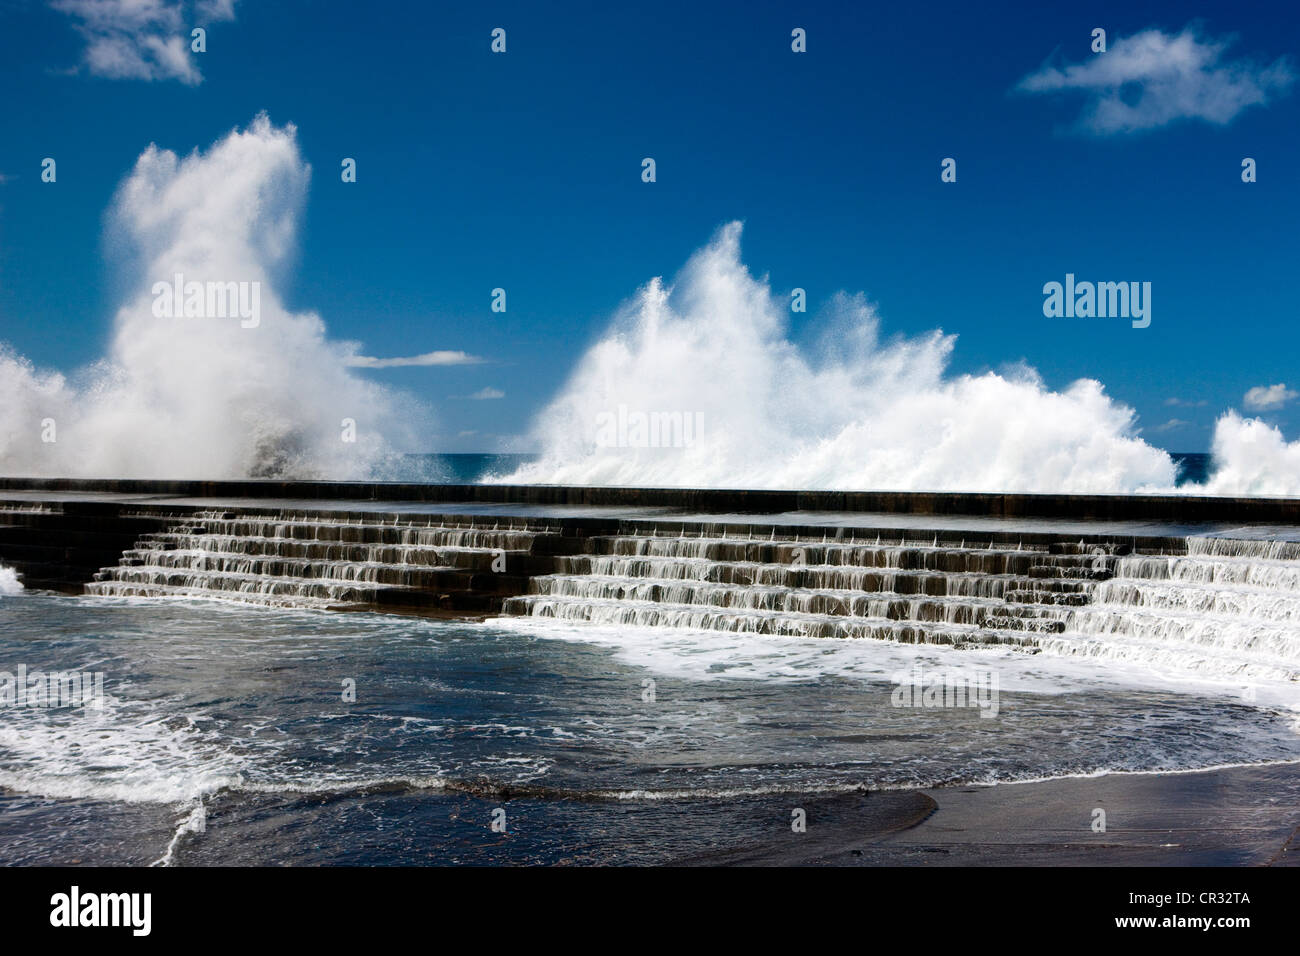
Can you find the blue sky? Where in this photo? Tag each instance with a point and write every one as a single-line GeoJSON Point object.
{"type": "Point", "coordinates": [522, 171]}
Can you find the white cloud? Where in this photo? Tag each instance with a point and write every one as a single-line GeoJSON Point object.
{"type": "Point", "coordinates": [1155, 78]}
{"type": "Point", "coordinates": [482, 395]}
{"type": "Point", "coordinates": [1171, 425]}
{"type": "Point", "coordinates": [143, 39]}
{"type": "Point", "coordinates": [1268, 397]}
{"type": "Point", "coordinates": [428, 358]}
{"type": "Point", "coordinates": [1176, 402]}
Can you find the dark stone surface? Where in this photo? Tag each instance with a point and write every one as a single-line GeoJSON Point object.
{"type": "Point", "coordinates": [61, 550]}
{"type": "Point", "coordinates": [1236, 816]}
{"type": "Point", "coordinates": [1171, 508]}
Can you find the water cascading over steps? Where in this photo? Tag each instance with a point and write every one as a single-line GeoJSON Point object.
{"type": "Point", "coordinates": [1216, 608]}
{"type": "Point", "coordinates": [307, 559]}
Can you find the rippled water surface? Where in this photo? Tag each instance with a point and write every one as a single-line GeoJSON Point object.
{"type": "Point", "coordinates": [224, 735]}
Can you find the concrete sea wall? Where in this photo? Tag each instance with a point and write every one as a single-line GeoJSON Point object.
{"type": "Point", "coordinates": [1170, 508]}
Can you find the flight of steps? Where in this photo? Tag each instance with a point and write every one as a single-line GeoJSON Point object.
{"type": "Point", "coordinates": [1218, 608]}
{"type": "Point", "coordinates": [420, 564]}
{"type": "Point", "coordinates": [892, 588]}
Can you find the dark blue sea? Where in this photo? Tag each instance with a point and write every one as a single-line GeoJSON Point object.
{"type": "Point", "coordinates": [1193, 467]}
{"type": "Point", "coordinates": [227, 735]}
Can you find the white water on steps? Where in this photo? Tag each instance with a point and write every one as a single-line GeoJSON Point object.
{"type": "Point", "coordinates": [1225, 611]}
{"type": "Point", "coordinates": [302, 560]}
{"type": "Point", "coordinates": [1218, 610]}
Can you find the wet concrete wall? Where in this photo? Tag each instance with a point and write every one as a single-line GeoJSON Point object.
{"type": "Point", "coordinates": [1182, 509]}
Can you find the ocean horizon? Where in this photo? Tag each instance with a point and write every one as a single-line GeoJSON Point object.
{"type": "Point", "coordinates": [1193, 468]}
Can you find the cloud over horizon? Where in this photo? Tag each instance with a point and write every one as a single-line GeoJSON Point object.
{"type": "Point", "coordinates": [443, 357]}
{"type": "Point", "coordinates": [1268, 397]}
{"type": "Point", "coordinates": [1153, 78]}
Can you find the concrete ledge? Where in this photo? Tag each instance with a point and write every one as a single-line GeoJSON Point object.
{"type": "Point", "coordinates": [1170, 508]}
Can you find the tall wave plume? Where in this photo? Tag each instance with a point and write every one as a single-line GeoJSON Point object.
{"type": "Point", "coordinates": [1251, 457]}
{"type": "Point", "coordinates": [221, 394]}
{"type": "Point", "coordinates": [699, 384]}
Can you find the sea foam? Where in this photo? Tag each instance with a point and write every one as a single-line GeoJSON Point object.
{"type": "Point", "coordinates": [205, 397]}
{"type": "Point", "coordinates": [9, 583]}
{"type": "Point", "coordinates": [699, 383]}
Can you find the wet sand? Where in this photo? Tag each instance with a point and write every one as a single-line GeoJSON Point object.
{"type": "Point", "coordinates": [1231, 817]}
